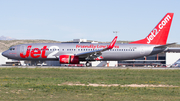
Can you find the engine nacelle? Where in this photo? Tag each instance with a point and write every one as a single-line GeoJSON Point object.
{"type": "Point", "coordinates": [68, 59]}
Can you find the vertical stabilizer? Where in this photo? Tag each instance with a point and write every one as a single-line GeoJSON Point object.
{"type": "Point", "coordinates": [159, 35]}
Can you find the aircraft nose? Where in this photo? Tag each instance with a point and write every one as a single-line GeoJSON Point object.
{"type": "Point", "coordinates": [5, 53]}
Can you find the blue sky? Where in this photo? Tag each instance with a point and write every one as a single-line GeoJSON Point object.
{"type": "Point", "coordinates": [64, 20]}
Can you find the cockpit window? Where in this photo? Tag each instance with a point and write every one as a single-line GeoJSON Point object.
{"type": "Point", "coordinates": [11, 49]}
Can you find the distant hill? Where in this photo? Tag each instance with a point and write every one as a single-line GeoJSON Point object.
{"type": "Point", "coordinates": [6, 38]}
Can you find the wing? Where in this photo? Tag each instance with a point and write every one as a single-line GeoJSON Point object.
{"type": "Point", "coordinates": [96, 53]}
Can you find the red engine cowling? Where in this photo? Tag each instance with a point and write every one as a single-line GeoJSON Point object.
{"type": "Point", "coordinates": [68, 59]}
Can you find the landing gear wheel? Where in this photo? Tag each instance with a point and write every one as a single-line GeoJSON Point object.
{"type": "Point", "coordinates": [88, 64]}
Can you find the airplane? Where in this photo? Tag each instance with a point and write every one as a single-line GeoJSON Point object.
{"type": "Point", "coordinates": [73, 53]}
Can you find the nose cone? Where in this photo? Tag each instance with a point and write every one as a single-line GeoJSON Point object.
{"type": "Point", "coordinates": [5, 53]}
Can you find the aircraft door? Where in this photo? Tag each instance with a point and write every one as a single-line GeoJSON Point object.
{"type": "Point", "coordinates": [16, 51]}
{"type": "Point", "coordinates": [142, 48]}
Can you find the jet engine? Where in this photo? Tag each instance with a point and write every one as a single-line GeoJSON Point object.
{"type": "Point", "coordinates": [68, 59]}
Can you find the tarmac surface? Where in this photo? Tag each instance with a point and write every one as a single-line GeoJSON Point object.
{"type": "Point", "coordinates": [158, 68]}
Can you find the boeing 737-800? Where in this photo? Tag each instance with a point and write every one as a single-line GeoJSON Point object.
{"type": "Point", "coordinates": [73, 53]}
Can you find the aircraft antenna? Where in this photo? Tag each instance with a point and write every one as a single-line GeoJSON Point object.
{"type": "Point", "coordinates": [116, 32]}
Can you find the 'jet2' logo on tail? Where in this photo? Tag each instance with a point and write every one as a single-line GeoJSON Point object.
{"type": "Point", "coordinates": [155, 31]}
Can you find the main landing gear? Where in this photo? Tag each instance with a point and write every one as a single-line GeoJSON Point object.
{"type": "Point", "coordinates": [88, 64]}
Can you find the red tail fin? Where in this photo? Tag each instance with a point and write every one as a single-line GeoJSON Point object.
{"type": "Point", "coordinates": [159, 34]}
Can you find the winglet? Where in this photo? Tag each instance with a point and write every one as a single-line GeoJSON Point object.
{"type": "Point", "coordinates": [112, 43]}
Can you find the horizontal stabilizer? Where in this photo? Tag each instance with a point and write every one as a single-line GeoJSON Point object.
{"type": "Point", "coordinates": [162, 46]}
{"type": "Point", "coordinates": [173, 49]}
